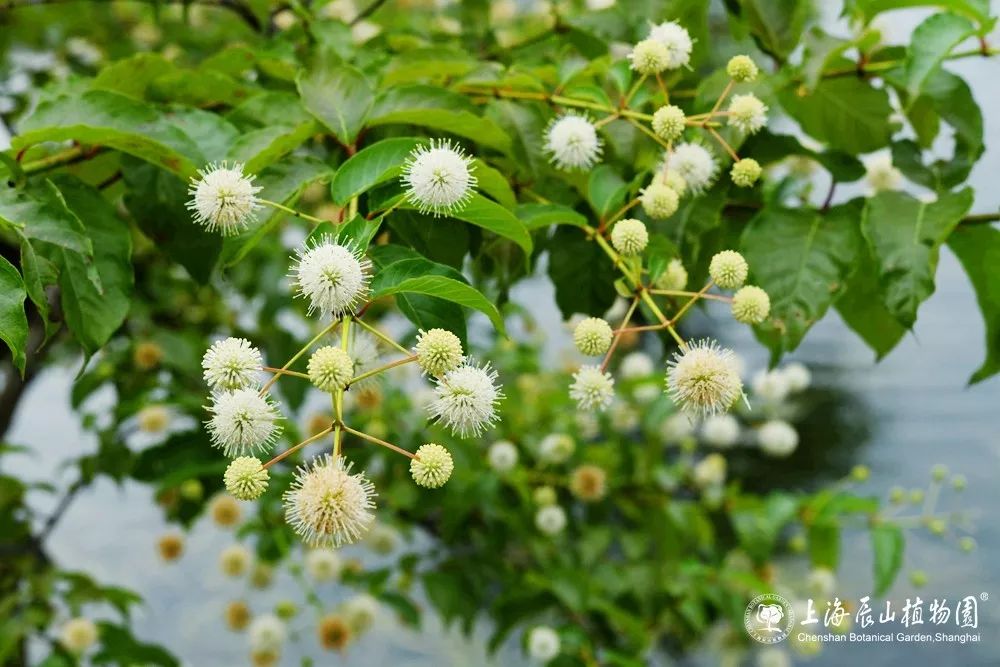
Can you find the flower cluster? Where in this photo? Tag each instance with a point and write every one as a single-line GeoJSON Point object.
{"type": "Point", "coordinates": [327, 504]}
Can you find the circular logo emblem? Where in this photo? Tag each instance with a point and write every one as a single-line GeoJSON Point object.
{"type": "Point", "coordinates": [769, 618]}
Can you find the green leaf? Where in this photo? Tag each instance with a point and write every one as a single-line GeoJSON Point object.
{"type": "Point", "coordinates": [156, 199]}
{"type": "Point", "coordinates": [440, 110]}
{"type": "Point", "coordinates": [845, 112]}
{"type": "Point", "coordinates": [426, 312]}
{"type": "Point", "coordinates": [120, 647]}
{"type": "Point", "coordinates": [38, 212]}
{"type": "Point", "coordinates": [977, 10]}
{"type": "Point", "coordinates": [260, 148]}
{"type": "Point", "coordinates": [133, 75]}
{"type": "Point", "coordinates": [492, 182]}
{"type": "Point", "coordinates": [862, 310]}
{"type": "Point", "coordinates": [978, 249]}
{"type": "Point", "coordinates": [13, 321]}
{"type": "Point", "coordinates": [442, 287]}
{"type": "Point", "coordinates": [802, 259]}
{"type": "Point", "coordinates": [339, 95]}
{"type": "Point", "coordinates": [905, 236]}
{"type": "Point", "coordinates": [776, 25]}
{"type": "Point", "coordinates": [525, 125]}
{"type": "Point", "coordinates": [930, 43]}
{"type": "Point", "coordinates": [887, 549]}
{"type": "Point", "coordinates": [493, 217]}
{"type": "Point", "coordinates": [100, 117]}
{"type": "Point", "coordinates": [583, 276]}
{"type": "Point", "coordinates": [821, 48]}
{"type": "Point", "coordinates": [92, 315]}
{"type": "Point", "coordinates": [539, 216]}
{"type": "Point", "coordinates": [438, 239]}
{"type": "Point", "coordinates": [606, 190]}
{"type": "Point", "coordinates": [212, 133]}
{"type": "Point", "coordinates": [39, 272]}
{"type": "Point", "coordinates": [768, 148]}
{"type": "Point", "coordinates": [370, 166]}
{"type": "Point", "coordinates": [758, 522]}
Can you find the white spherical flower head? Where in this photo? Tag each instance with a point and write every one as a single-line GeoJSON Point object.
{"type": "Point", "coordinates": [710, 471]}
{"type": "Point", "coordinates": [650, 57]}
{"type": "Point", "coordinates": [668, 122]}
{"type": "Point", "coordinates": [777, 438]}
{"type": "Point", "coordinates": [720, 430]}
{"type": "Point", "coordinates": [677, 427]}
{"type": "Point", "coordinates": [629, 237]}
{"type": "Point", "coordinates": [704, 379]}
{"type": "Point", "coordinates": [881, 175]}
{"type": "Point", "coordinates": [636, 365]}
{"type": "Point", "coordinates": [267, 632]}
{"type": "Point", "coordinates": [797, 376]}
{"type": "Point", "coordinates": [659, 200]}
{"type": "Point", "coordinates": [232, 363]}
{"type": "Point", "coordinates": [432, 466]}
{"type": "Point", "coordinates": [676, 39]}
{"type": "Point", "coordinates": [745, 172]}
{"type": "Point", "coordinates": [323, 565]}
{"type": "Point", "coordinates": [466, 399]}
{"type": "Point", "coordinates": [360, 612]}
{"type": "Point", "coordinates": [695, 165]}
{"type": "Point", "coordinates": [592, 388]}
{"type": "Point", "coordinates": [327, 505]}
{"type": "Point", "coordinates": [223, 198]}
{"type": "Point", "coordinates": [588, 483]}
{"type": "Point", "coordinates": [728, 269]}
{"type": "Point", "coordinates": [234, 561]}
{"type": "Point", "coordinates": [822, 581]}
{"type": "Point", "coordinates": [438, 178]}
{"type": "Point", "coordinates": [78, 635]}
{"type": "Point", "coordinates": [246, 478]}
{"type": "Point", "coordinates": [556, 448]}
{"type": "Point", "coordinates": [571, 142]}
{"type": "Point", "coordinates": [675, 277]}
{"type": "Point", "coordinates": [592, 336]}
{"type": "Point", "coordinates": [751, 305]}
{"type": "Point", "coordinates": [672, 180]}
{"type": "Point", "coordinates": [741, 69]}
{"type": "Point", "coordinates": [333, 277]}
{"type": "Point", "coordinates": [543, 643]}
{"type": "Point", "coordinates": [330, 368]}
{"type": "Point", "coordinates": [624, 418]}
{"type": "Point", "coordinates": [770, 386]}
{"type": "Point", "coordinates": [550, 519]}
{"type": "Point", "coordinates": [438, 351]}
{"type": "Point", "coordinates": [747, 113]}
{"type": "Point", "coordinates": [502, 456]}
{"type": "Point", "coordinates": [242, 422]}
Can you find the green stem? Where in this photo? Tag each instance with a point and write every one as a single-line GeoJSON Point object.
{"type": "Point", "coordinates": [291, 450]}
{"type": "Point", "coordinates": [380, 369]}
{"type": "Point", "coordinates": [382, 336]}
{"type": "Point", "coordinates": [333, 325]}
{"type": "Point", "coordinates": [884, 65]}
{"type": "Point", "coordinates": [372, 438]}
{"type": "Point", "coordinates": [338, 396]}
{"type": "Point", "coordinates": [674, 292]}
{"type": "Point", "coordinates": [634, 89]}
{"type": "Point", "coordinates": [292, 211]}
{"type": "Point", "coordinates": [637, 285]}
{"type": "Point", "coordinates": [691, 302]}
